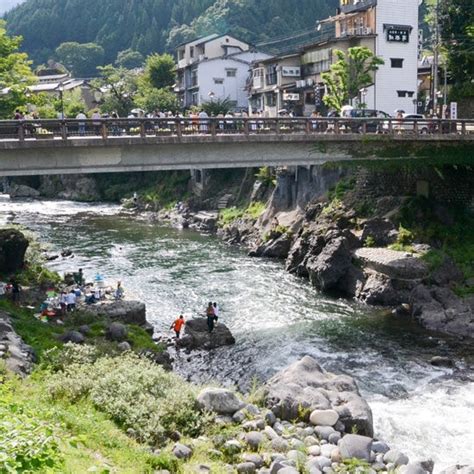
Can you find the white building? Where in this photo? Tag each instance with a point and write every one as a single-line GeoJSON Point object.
{"type": "Point", "coordinates": [215, 67]}
{"type": "Point", "coordinates": [395, 24]}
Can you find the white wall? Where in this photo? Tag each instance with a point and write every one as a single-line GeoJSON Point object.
{"type": "Point", "coordinates": [388, 79]}
{"type": "Point", "coordinates": [233, 87]}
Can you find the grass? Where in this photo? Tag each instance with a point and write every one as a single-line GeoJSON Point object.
{"type": "Point", "coordinates": [44, 336]}
{"type": "Point", "coordinates": [88, 441]}
{"type": "Point", "coordinates": [231, 214]}
{"type": "Point", "coordinates": [452, 236]}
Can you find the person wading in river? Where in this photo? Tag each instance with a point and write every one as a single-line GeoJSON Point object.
{"type": "Point", "coordinates": [211, 317]}
{"type": "Point", "coordinates": [178, 325]}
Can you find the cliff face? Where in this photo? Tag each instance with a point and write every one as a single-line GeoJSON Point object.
{"type": "Point", "coordinates": [401, 238]}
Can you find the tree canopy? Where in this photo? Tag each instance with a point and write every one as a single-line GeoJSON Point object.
{"type": "Point", "coordinates": [81, 59]}
{"type": "Point", "coordinates": [160, 70]}
{"type": "Point", "coordinates": [129, 59]}
{"type": "Point", "coordinates": [149, 26]}
{"type": "Point", "coordinates": [15, 73]}
{"type": "Point", "coordinates": [348, 75]}
{"type": "Point", "coordinates": [457, 30]}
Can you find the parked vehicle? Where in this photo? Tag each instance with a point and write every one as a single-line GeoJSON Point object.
{"type": "Point", "coordinates": [407, 125]}
{"type": "Point", "coordinates": [371, 126]}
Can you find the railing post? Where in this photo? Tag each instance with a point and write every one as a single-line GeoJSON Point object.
{"type": "Point", "coordinates": [104, 130]}
{"type": "Point", "coordinates": [390, 126]}
{"type": "Point", "coordinates": [179, 132]}
{"type": "Point", "coordinates": [63, 130]}
{"type": "Point", "coordinates": [21, 132]}
{"type": "Point", "coordinates": [415, 127]}
{"type": "Point", "coordinates": [246, 126]}
{"type": "Point", "coordinates": [336, 126]}
{"type": "Point", "coordinates": [308, 126]}
{"type": "Point", "coordinates": [463, 128]}
{"type": "Point", "coordinates": [142, 129]}
{"type": "Point", "coordinates": [364, 128]}
{"type": "Point", "coordinates": [213, 124]}
{"type": "Point", "coordinates": [277, 126]}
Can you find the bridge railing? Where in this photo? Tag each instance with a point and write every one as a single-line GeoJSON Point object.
{"type": "Point", "coordinates": [108, 129]}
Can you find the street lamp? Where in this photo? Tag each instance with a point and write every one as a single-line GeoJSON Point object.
{"type": "Point", "coordinates": [363, 94]}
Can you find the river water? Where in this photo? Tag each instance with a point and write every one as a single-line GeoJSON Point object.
{"type": "Point", "coordinates": [276, 318]}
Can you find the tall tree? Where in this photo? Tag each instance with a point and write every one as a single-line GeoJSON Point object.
{"type": "Point", "coordinates": [129, 59]}
{"type": "Point", "coordinates": [81, 59]}
{"type": "Point", "coordinates": [15, 74]}
{"type": "Point", "coordinates": [348, 75]}
{"type": "Point", "coordinates": [457, 31]}
{"type": "Point", "coordinates": [118, 86]}
{"type": "Point", "coordinates": [160, 71]}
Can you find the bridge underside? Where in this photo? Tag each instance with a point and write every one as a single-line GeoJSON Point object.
{"type": "Point", "coordinates": [128, 155]}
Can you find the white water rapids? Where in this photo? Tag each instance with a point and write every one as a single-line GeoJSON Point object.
{"type": "Point", "coordinates": [426, 412]}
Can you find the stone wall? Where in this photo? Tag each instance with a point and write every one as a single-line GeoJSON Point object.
{"type": "Point", "coordinates": [446, 184]}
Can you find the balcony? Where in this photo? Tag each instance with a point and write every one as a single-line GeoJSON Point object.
{"type": "Point", "coordinates": [359, 31]}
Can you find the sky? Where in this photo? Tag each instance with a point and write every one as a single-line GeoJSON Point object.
{"type": "Point", "coordinates": [6, 5]}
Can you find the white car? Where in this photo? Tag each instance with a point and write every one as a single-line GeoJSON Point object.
{"type": "Point", "coordinates": [408, 124]}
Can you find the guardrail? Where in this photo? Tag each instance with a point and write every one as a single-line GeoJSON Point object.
{"type": "Point", "coordinates": [108, 129]}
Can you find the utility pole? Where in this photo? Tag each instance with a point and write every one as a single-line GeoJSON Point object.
{"type": "Point", "coordinates": [436, 59]}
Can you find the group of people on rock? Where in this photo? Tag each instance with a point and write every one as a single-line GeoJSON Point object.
{"type": "Point", "coordinates": [212, 315]}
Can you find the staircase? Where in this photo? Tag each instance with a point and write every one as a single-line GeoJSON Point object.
{"type": "Point", "coordinates": [224, 201]}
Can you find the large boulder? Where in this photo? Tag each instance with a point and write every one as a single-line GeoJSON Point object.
{"type": "Point", "coordinates": [275, 248]}
{"type": "Point", "coordinates": [381, 231]}
{"type": "Point", "coordinates": [128, 312]}
{"type": "Point", "coordinates": [197, 336]}
{"type": "Point", "coordinates": [305, 386]}
{"type": "Point", "coordinates": [354, 446]}
{"type": "Point", "coordinates": [18, 356]}
{"type": "Point", "coordinates": [439, 309]}
{"type": "Point", "coordinates": [13, 246]}
{"type": "Point", "coordinates": [219, 400]}
{"type": "Point", "coordinates": [327, 269]}
{"type": "Point", "coordinates": [394, 264]}
{"type": "Point", "coordinates": [116, 332]}
{"type": "Point", "coordinates": [22, 191]}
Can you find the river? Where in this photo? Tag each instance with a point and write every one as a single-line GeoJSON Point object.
{"type": "Point", "coordinates": [276, 318]}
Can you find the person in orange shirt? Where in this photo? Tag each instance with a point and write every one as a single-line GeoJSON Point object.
{"type": "Point", "coordinates": [178, 325]}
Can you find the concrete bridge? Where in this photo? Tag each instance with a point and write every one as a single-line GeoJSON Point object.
{"type": "Point", "coordinates": [42, 147]}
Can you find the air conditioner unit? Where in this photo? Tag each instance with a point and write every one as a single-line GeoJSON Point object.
{"type": "Point", "coordinates": [202, 57]}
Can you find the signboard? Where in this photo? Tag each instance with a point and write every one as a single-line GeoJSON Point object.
{"type": "Point", "coordinates": [453, 110]}
{"type": "Point", "coordinates": [291, 97]}
{"type": "Point", "coordinates": [291, 71]}
{"type": "Point", "coordinates": [398, 35]}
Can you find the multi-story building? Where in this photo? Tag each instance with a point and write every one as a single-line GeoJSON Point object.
{"type": "Point", "coordinates": [389, 28]}
{"type": "Point", "coordinates": [215, 67]}
{"type": "Point", "coordinates": [273, 83]}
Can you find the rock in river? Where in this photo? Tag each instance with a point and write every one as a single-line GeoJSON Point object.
{"type": "Point", "coordinates": [197, 336]}
{"type": "Point", "coordinates": [305, 385]}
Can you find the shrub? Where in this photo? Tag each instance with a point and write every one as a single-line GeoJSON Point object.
{"type": "Point", "coordinates": [369, 241]}
{"type": "Point", "coordinates": [266, 176]}
{"type": "Point", "coordinates": [27, 444]}
{"type": "Point", "coordinates": [137, 394]}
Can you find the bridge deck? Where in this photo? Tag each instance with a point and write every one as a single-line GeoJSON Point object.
{"type": "Point", "coordinates": [87, 146]}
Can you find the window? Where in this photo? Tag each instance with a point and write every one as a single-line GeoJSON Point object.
{"type": "Point", "coordinates": [396, 62]}
{"type": "Point", "coordinates": [270, 99]}
{"type": "Point", "coordinates": [231, 72]}
{"type": "Point", "coordinates": [402, 93]}
{"type": "Point", "coordinates": [191, 52]}
{"type": "Point", "coordinates": [218, 80]}
{"type": "Point", "coordinates": [271, 75]}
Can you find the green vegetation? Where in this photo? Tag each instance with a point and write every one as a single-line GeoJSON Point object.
{"type": "Point", "coordinates": [266, 175]}
{"type": "Point", "coordinates": [341, 188]}
{"type": "Point", "coordinates": [149, 26]}
{"type": "Point", "coordinates": [15, 73]}
{"type": "Point", "coordinates": [252, 212]}
{"type": "Point", "coordinates": [352, 72]}
{"type": "Point", "coordinates": [450, 232]}
{"type": "Point", "coordinates": [217, 107]}
{"type": "Point", "coordinates": [404, 240]}
{"type": "Point", "coordinates": [81, 59]}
